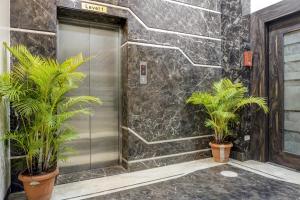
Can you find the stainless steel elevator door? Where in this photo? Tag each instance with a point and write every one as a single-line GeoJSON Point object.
{"type": "Point", "coordinates": [98, 142]}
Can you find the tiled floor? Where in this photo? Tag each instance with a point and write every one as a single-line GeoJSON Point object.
{"type": "Point", "coordinates": [210, 184]}
{"type": "Point", "coordinates": [89, 174]}
{"type": "Point", "coordinates": [269, 170]}
{"type": "Point", "coordinates": [199, 179]}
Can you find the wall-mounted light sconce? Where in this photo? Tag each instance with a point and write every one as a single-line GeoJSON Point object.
{"type": "Point", "coordinates": [248, 57]}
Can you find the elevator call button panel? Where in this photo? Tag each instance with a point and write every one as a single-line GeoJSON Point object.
{"type": "Point", "coordinates": [143, 72]}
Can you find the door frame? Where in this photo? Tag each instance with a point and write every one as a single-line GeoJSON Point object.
{"type": "Point", "coordinates": [259, 80]}
{"type": "Point", "coordinates": [108, 26]}
{"type": "Point", "coordinates": [277, 30]}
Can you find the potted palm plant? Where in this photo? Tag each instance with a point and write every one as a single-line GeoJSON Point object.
{"type": "Point", "coordinates": [36, 88]}
{"type": "Point", "coordinates": [222, 106]}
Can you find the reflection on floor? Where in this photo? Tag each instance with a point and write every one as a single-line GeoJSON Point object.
{"type": "Point", "coordinates": [199, 179]}
{"type": "Point", "coordinates": [210, 184]}
{"type": "Point", "coordinates": [89, 174]}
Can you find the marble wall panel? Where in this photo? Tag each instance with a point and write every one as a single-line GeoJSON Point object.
{"type": "Point", "coordinates": [124, 101]}
{"type": "Point", "coordinates": [235, 36]}
{"type": "Point", "coordinates": [208, 4]}
{"type": "Point", "coordinates": [157, 110]}
{"type": "Point", "coordinates": [115, 2]}
{"type": "Point", "coordinates": [232, 8]}
{"type": "Point", "coordinates": [38, 44]}
{"type": "Point", "coordinates": [173, 17]}
{"type": "Point", "coordinates": [167, 161]}
{"type": "Point", "coordinates": [200, 51]}
{"type": "Point", "coordinates": [140, 150]}
{"type": "Point", "coordinates": [34, 15]}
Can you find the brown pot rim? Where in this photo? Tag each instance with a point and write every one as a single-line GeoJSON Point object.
{"type": "Point", "coordinates": [26, 178]}
{"type": "Point", "coordinates": [221, 145]}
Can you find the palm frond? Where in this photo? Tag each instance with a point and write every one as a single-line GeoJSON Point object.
{"type": "Point", "coordinates": [222, 104]}
{"type": "Point", "coordinates": [63, 117]}
{"type": "Point", "coordinates": [73, 63]}
{"type": "Point", "coordinates": [37, 89]}
{"type": "Point", "coordinates": [261, 102]}
{"type": "Point", "coordinates": [223, 115]}
{"type": "Point", "coordinates": [73, 101]}
{"type": "Point", "coordinates": [26, 107]}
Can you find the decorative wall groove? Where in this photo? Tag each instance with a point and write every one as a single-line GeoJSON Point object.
{"type": "Point", "coordinates": [26, 30]}
{"type": "Point", "coordinates": [163, 141]}
{"type": "Point", "coordinates": [150, 28]}
{"type": "Point", "coordinates": [171, 47]}
{"type": "Point", "coordinates": [32, 31]}
{"type": "Point", "coordinates": [192, 6]}
{"type": "Point", "coordinates": [166, 156]}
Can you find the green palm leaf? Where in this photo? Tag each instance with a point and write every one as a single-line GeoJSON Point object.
{"type": "Point", "coordinates": [37, 89]}
{"type": "Point", "coordinates": [222, 105]}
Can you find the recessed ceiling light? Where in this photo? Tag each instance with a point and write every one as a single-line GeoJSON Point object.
{"type": "Point", "coordinates": [229, 174]}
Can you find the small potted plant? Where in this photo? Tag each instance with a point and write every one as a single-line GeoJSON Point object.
{"type": "Point", "coordinates": [222, 106]}
{"type": "Point", "coordinates": [36, 88]}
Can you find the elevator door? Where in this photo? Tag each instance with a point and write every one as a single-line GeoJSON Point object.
{"type": "Point", "coordinates": [98, 142]}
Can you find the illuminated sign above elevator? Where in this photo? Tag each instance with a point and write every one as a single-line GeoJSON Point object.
{"type": "Point", "coordinates": [94, 7]}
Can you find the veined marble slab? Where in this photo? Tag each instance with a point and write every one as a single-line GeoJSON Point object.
{"type": "Point", "coordinates": [106, 185]}
{"type": "Point", "coordinates": [103, 186]}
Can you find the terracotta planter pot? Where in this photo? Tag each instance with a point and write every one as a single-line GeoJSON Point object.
{"type": "Point", "coordinates": [220, 152]}
{"type": "Point", "coordinates": [39, 187]}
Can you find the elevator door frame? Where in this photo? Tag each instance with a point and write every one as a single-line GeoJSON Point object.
{"type": "Point", "coordinates": [113, 27]}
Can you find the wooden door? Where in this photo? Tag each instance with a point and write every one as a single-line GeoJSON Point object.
{"type": "Point", "coordinates": [284, 92]}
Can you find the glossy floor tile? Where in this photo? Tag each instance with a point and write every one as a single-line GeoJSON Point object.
{"type": "Point", "coordinates": [210, 184]}
{"type": "Point", "coordinates": [200, 179]}
{"type": "Point", "coordinates": [89, 174]}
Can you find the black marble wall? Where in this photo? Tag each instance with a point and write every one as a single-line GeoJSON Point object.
{"type": "Point", "coordinates": [181, 43]}
{"type": "Point", "coordinates": [235, 37]}
{"type": "Point", "coordinates": [33, 23]}
{"type": "Point", "coordinates": [185, 43]}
